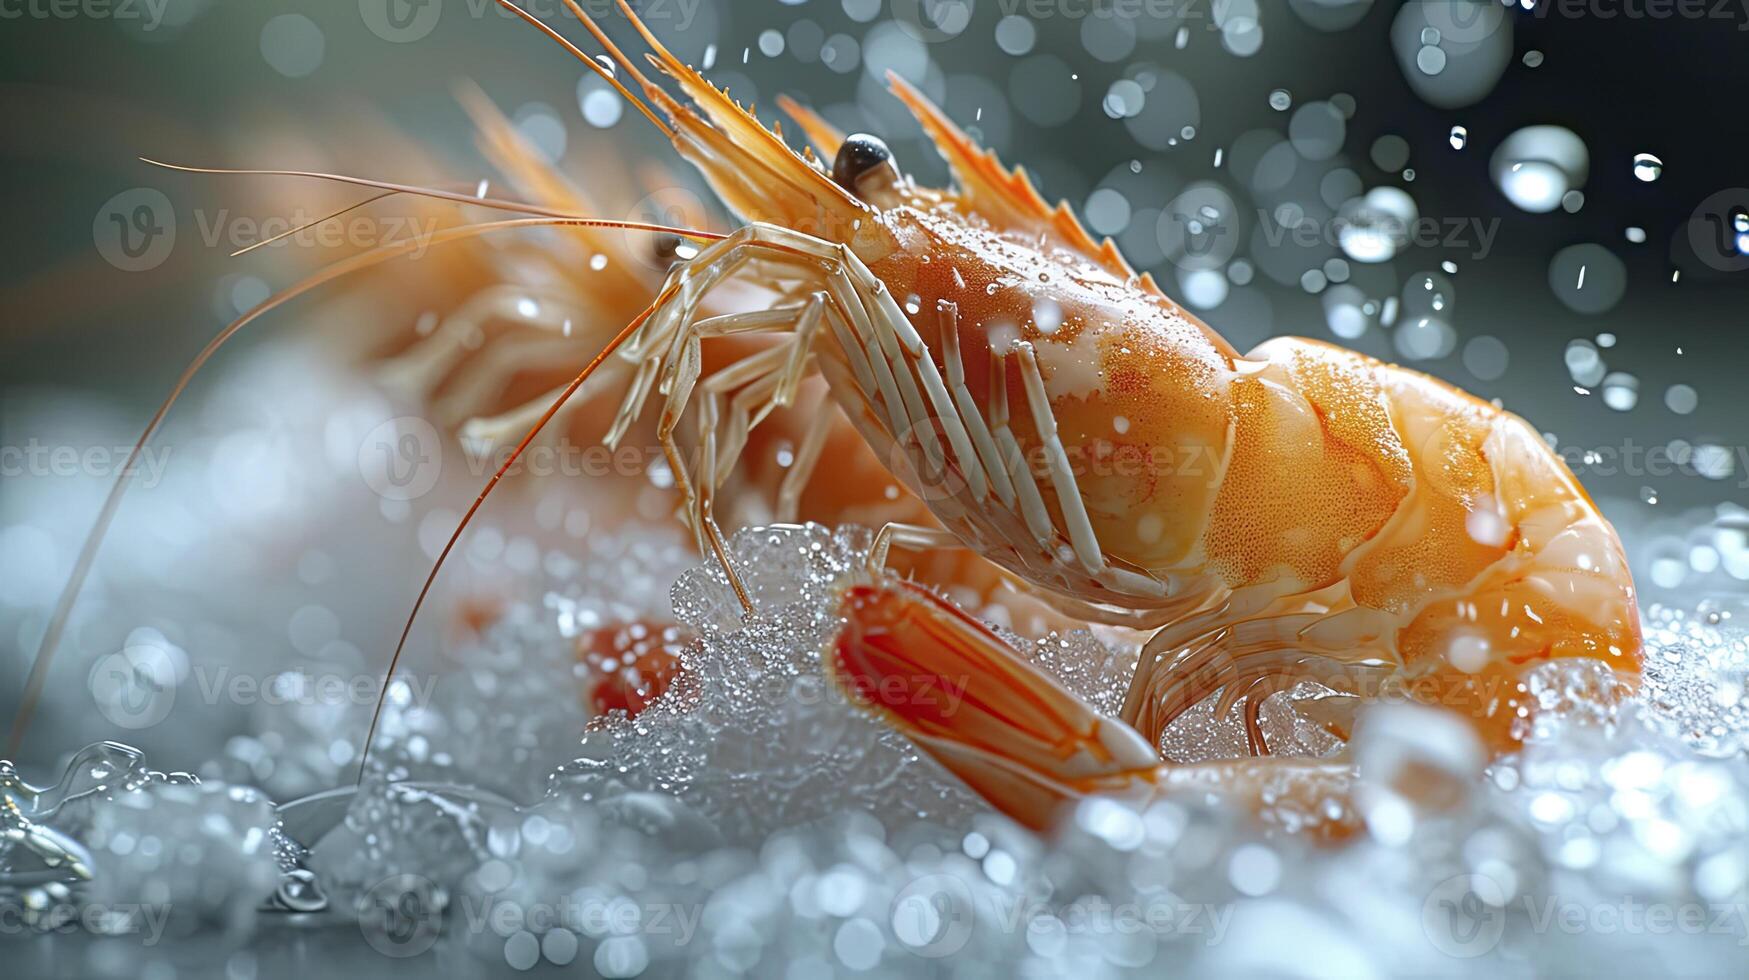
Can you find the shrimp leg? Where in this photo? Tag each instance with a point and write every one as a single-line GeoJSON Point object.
{"type": "Point", "coordinates": [1016, 736]}
{"type": "Point", "coordinates": [419, 370]}
{"type": "Point", "coordinates": [860, 311]}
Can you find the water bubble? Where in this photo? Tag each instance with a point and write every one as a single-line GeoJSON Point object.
{"type": "Point", "coordinates": [1015, 34]}
{"type": "Point", "coordinates": [1375, 227]}
{"type": "Point", "coordinates": [1647, 168]}
{"type": "Point", "coordinates": [1428, 293]}
{"type": "Point", "coordinates": [1534, 186]}
{"type": "Point", "coordinates": [1124, 99]}
{"type": "Point", "coordinates": [1587, 278]}
{"type": "Point", "coordinates": [1171, 105]}
{"type": "Point", "coordinates": [1241, 28]}
{"type": "Point", "coordinates": [1459, 137]}
{"type": "Point", "coordinates": [1536, 166]}
{"type": "Point", "coordinates": [1572, 201]}
{"type": "Point", "coordinates": [1681, 399]}
{"type": "Point", "coordinates": [1713, 461]}
{"type": "Point", "coordinates": [1584, 363]}
{"type": "Point", "coordinates": [1390, 152]}
{"type": "Point", "coordinates": [1345, 311]}
{"type": "Point", "coordinates": [1338, 186]}
{"type": "Point", "coordinates": [1471, 53]}
{"type": "Point", "coordinates": [1110, 39]}
{"type": "Point", "coordinates": [541, 126]}
{"type": "Point", "coordinates": [1636, 234]}
{"type": "Point", "coordinates": [602, 106]}
{"type": "Point", "coordinates": [1533, 58]}
{"type": "Point", "coordinates": [1621, 391]}
{"type": "Point", "coordinates": [1280, 100]}
{"type": "Point", "coordinates": [1203, 288]}
{"type": "Point", "coordinates": [1425, 338]}
{"type": "Point", "coordinates": [293, 45]}
{"type": "Point", "coordinates": [1486, 358]}
{"type": "Point", "coordinates": [1043, 89]}
{"type": "Point", "coordinates": [1317, 130]}
{"type": "Point", "coordinates": [1331, 15]}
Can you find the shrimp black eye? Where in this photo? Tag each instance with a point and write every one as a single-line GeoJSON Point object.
{"type": "Point", "coordinates": [860, 156]}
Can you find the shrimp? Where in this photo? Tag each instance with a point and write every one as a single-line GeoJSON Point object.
{"type": "Point", "coordinates": [1297, 513]}
{"type": "Point", "coordinates": [474, 381]}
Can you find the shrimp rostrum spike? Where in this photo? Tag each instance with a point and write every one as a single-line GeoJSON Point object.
{"type": "Point", "coordinates": [1297, 513]}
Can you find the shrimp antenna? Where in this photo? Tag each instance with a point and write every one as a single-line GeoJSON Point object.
{"type": "Point", "coordinates": [88, 551]}
{"type": "Point", "coordinates": [330, 216]}
{"type": "Point", "coordinates": [649, 87]}
{"type": "Point", "coordinates": [613, 345]}
{"type": "Point", "coordinates": [497, 204]}
{"type": "Point", "coordinates": [594, 65]}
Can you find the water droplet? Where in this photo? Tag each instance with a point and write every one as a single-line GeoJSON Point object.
{"type": "Point", "coordinates": [1459, 137]}
{"type": "Point", "coordinates": [1536, 166]}
{"type": "Point", "coordinates": [1588, 278]}
{"type": "Point", "coordinates": [1621, 391]}
{"type": "Point", "coordinates": [1280, 100]}
{"type": "Point", "coordinates": [1425, 338]}
{"type": "Point", "coordinates": [1390, 152]}
{"type": "Point", "coordinates": [1533, 58]}
{"type": "Point", "coordinates": [1636, 234]}
{"type": "Point", "coordinates": [1584, 363]}
{"type": "Point", "coordinates": [1647, 167]}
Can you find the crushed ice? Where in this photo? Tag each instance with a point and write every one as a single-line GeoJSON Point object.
{"type": "Point", "coordinates": [751, 819]}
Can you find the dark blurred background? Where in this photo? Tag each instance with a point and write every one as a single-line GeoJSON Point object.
{"type": "Point", "coordinates": [86, 87]}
